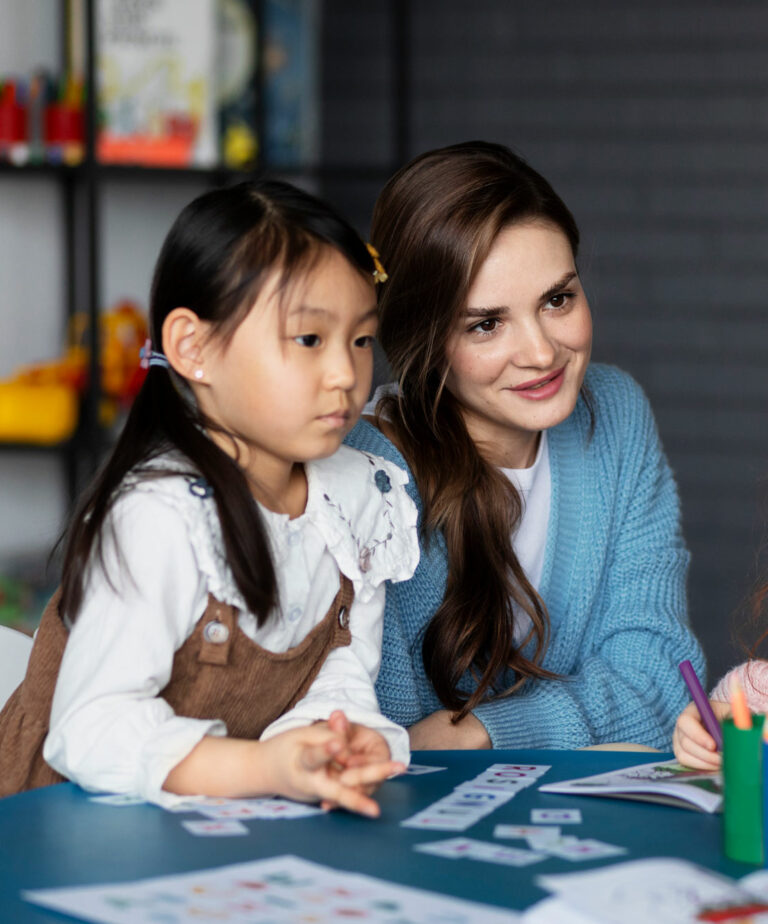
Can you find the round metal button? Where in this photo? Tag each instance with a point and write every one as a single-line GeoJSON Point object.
{"type": "Point", "coordinates": [343, 617]}
{"type": "Point", "coordinates": [215, 632]}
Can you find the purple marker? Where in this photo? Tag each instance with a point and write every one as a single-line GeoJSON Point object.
{"type": "Point", "coordinates": [702, 703]}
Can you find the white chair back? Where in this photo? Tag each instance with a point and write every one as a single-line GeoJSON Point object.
{"type": "Point", "coordinates": [15, 647]}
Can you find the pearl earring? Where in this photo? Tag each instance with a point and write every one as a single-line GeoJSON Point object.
{"type": "Point", "coordinates": [198, 373]}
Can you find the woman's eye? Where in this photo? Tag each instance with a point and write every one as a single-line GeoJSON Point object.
{"type": "Point", "coordinates": [560, 300]}
{"type": "Point", "coordinates": [488, 326]}
{"type": "Point", "coordinates": [365, 341]}
{"type": "Point", "coordinates": [307, 340]}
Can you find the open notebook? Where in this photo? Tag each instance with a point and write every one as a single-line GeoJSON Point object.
{"type": "Point", "coordinates": [666, 782]}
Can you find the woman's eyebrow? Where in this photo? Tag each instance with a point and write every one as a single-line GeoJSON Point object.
{"type": "Point", "coordinates": [560, 284]}
{"type": "Point", "coordinates": [492, 311]}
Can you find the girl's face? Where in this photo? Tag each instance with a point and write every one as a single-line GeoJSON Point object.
{"type": "Point", "coordinates": [518, 355]}
{"type": "Point", "coordinates": [293, 379]}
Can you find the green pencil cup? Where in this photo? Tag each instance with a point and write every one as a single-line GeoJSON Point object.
{"type": "Point", "coordinates": [743, 791]}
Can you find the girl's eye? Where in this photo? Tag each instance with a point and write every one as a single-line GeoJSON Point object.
{"type": "Point", "coordinates": [560, 300]}
{"type": "Point", "coordinates": [366, 341]}
{"type": "Point", "coordinates": [487, 326]}
{"type": "Point", "coordinates": [307, 340]}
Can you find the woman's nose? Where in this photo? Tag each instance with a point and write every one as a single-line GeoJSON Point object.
{"type": "Point", "coordinates": [533, 347]}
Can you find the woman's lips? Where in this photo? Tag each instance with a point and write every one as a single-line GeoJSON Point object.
{"type": "Point", "coordinates": [541, 388]}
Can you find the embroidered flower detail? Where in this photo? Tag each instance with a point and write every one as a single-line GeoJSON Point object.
{"type": "Point", "coordinates": [382, 481]}
{"type": "Point", "coordinates": [200, 488]}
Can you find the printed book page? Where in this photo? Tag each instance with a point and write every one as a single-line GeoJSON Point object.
{"type": "Point", "coordinates": [666, 782]}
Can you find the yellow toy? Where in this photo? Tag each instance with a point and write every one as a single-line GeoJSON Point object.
{"type": "Point", "coordinates": [40, 404]}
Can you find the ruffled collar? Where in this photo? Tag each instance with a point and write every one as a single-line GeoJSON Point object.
{"type": "Point", "coordinates": [358, 504]}
{"type": "Point", "coordinates": [356, 501]}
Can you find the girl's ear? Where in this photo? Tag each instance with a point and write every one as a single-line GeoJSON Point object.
{"type": "Point", "coordinates": [184, 337]}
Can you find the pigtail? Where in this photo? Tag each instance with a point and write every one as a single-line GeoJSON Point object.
{"type": "Point", "coordinates": [161, 419]}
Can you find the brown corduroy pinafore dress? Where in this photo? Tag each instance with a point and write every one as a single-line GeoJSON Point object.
{"type": "Point", "coordinates": [218, 673]}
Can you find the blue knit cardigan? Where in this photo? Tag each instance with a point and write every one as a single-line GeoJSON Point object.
{"type": "Point", "coordinates": [614, 584]}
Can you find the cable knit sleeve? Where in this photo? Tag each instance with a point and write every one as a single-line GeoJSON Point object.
{"type": "Point", "coordinates": [616, 589]}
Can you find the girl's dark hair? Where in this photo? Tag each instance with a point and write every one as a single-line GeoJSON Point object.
{"type": "Point", "coordinates": [214, 261]}
{"type": "Point", "coordinates": [434, 225]}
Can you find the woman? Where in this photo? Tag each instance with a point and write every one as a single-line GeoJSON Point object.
{"type": "Point", "coordinates": [549, 607]}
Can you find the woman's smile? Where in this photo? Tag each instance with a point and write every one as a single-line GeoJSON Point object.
{"type": "Point", "coordinates": [543, 388]}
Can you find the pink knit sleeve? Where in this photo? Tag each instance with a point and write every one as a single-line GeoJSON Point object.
{"type": "Point", "coordinates": [753, 677]}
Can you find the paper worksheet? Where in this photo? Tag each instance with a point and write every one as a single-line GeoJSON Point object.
{"type": "Point", "coordinates": [662, 890]}
{"type": "Point", "coordinates": [284, 890]}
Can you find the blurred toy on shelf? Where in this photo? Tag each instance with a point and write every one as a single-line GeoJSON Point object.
{"type": "Point", "coordinates": [40, 404]}
{"type": "Point", "coordinates": [42, 119]}
{"type": "Point", "coordinates": [123, 332]}
{"type": "Point", "coordinates": [42, 415]}
{"type": "Point", "coordinates": [14, 134]}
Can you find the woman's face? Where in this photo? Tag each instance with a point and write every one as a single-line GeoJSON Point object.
{"type": "Point", "coordinates": [518, 355]}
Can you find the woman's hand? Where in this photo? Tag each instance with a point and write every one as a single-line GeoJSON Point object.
{"type": "Point", "coordinates": [437, 733]}
{"type": "Point", "coordinates": [692, 743]}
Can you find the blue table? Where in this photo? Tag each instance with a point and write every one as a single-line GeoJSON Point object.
{"type": "Point", "coordinates": [57, 837]}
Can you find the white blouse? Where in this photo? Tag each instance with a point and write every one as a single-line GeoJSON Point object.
{"type": "Point", "coordinates": [110, 730]}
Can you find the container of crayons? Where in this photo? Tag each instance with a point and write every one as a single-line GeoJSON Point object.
{"type": "Point", "coordinates": [744, 765]}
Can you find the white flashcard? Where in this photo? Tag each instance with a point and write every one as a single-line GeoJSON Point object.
{"type": "Point", "coordinates": [504, 855]}
{"type": "Point", "coordinates": [214, 828]}
{"type": "Point", "coordinates": [256, 808]}
{"type": "Point", "coordinates": [438, 822]}
{"type": "Point", "coordinates": [587, 849]}
{"type": "Point", "coordinates": [453, 848]}
{"type": "Point", "coordinates": [538, 843]}
{"type": "Point", "coordinates": [556, 816]}
{"type": "Point", "coordinates": [476, 797]}
{"type": "Point", "coordinates": [535, 770]}
{"type": "Point", "coordinates": [543, 832]}
{"type": "Point", "coordinates": [117, 798]}
{"type": "Point", "coordinates": [494, 784]}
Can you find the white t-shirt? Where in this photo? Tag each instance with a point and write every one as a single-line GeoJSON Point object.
{"type": "Point", "coordinates": [530, 538]}
{"type": "Point", "coordinates": [109, 729]}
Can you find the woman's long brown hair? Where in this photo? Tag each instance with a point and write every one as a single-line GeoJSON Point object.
{"type": "Point", "coordinates": [434, 224]}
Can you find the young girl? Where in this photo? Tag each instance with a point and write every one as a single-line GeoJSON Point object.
{"type": "Point", "coordinates": [549, 606]}
{"type": "Point", "coordinates": [223, 579]}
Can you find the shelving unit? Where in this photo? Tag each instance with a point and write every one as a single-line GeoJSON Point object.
{"type": "Point", "coordinates": [82, 187]}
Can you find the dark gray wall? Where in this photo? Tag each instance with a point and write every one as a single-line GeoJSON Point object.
{"type": "Point", "coordinates": [651, 120]}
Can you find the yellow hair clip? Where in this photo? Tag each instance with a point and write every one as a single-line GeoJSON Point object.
{"type": "Point", "coordinates": [379, 274]}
